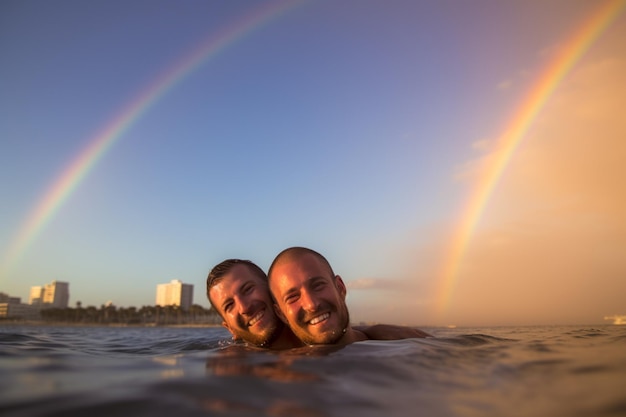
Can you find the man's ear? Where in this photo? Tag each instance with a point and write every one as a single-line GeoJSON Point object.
{"type": "Point", "coordinates": [280, 314]}
{"type": "Point", "coordinates": [341, 286]}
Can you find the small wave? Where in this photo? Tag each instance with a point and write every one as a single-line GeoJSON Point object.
{"type": "Point", "coordinates": [540, 347]}
{"type": "Point", "coordinates": [543, 364]}
{"type": "Point", "coordinates": [621, 334]}
{"type": "Point", "coordinates": [185, 345]}
{"type": "Point", "coordinates": [473, 340]}
{"type": "Point", "coordinates": [591, 369]}
{"type": "Point", "coordinates": [26, 344]}
{"type": "Point", "coordinates": [586, 333]}
{"type": "Point", "coordinates": [15, 338]}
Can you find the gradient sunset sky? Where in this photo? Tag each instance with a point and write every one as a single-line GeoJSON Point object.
{"type": "Point", "coordinates": [145, 141]}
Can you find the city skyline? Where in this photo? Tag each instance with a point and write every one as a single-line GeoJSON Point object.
{"type": "Point", "coordinates": [48, 295]}
{"type": "Point", "coordinates": [45, 295]}
{"type": "Point", "coordinates": [464, 160]}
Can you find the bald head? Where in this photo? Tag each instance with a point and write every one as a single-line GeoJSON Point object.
{"type": "Point", "coordinates": [296, 253]}
{"type": "Point", "coordinates": [309, 297]}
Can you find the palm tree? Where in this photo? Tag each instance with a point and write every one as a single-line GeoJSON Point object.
{"type": "Point", "coordinates": [78, 316]}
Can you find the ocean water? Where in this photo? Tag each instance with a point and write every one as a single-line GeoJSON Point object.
{"type": "Point", "coordinates": [504, 371]}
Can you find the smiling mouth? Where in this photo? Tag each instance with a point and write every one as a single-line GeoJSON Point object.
{"type": "Point", "coordinates": [258, 316]}
{"type": "Point", "coordinates": [319, 319]}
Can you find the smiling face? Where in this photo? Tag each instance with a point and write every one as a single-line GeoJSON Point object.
{"type": "Point", "coordinates": [243, 300]}
{"type": "Point", "coordinates": [310, 298]}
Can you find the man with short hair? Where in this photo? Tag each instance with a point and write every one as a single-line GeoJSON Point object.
{"type": "Point", "coordinates": [237, 289]}
{"type": "Point", "coordinates": [310, 298]}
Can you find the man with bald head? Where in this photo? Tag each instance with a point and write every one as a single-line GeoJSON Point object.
{"type": "Point", "coordinates": [310, 298]}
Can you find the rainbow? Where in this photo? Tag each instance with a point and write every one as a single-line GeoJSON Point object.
{"type": "Point", "coordinates": [518, 126]}
{"type": "Point", "coordinates": [99, 144]}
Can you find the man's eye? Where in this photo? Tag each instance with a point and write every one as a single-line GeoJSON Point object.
{"type": "Point", "coordinates": [228, 307]}
{"type": "Point", "coordinates": [247, 289]}
{"type": "Point", "coordinates": [291, 299]}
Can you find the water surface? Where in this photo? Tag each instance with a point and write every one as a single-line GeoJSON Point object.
{"type": "Point", "coordinates": [504, 371]}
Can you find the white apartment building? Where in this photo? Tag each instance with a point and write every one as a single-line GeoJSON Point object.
{"type": "Point", "coordinates": [56, 294]}
{"type": "Point", "coordinates": [175, 294]}
{"type": "Point", "coordinates": [35, 297]}
{"type": "Point", "coordinates": [12, 307]}
{"type": "Point", "coordinates": [18, 310]}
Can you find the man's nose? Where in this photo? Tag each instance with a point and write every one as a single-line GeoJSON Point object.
{"type": "Point", "coordinates": [244, 304]}
{"type": "Point", "coordinates": [309, 302]}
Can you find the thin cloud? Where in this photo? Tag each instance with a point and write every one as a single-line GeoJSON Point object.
{"type": "Point", "coordinates": [375, 284]}
{"type": "Point", "coordinates": [504, 85]}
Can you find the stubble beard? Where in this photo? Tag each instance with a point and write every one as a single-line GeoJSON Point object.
{"type": "Point", "coordinates": [263, 339]}
{"type": "Point", "coordinates": [271, 335]}
{"type": "Point", "coordinates": [327, 338]}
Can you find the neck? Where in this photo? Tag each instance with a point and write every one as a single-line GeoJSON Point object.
{"type": "Point", "coordinates": [351, 335]}
{"type": "Point", "coordinates": [285, 340]}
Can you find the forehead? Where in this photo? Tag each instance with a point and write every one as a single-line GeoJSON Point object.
{"type": "Point", "coordinates": [230, 282]}
{"type": "Point", "coordinates": [299, 269]}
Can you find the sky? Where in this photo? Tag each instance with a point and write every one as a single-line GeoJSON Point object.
{"type": "Point", "coordinates": [146, 141]}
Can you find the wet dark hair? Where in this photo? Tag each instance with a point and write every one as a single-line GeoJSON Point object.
{"type": "Point", "coordinates": [295, 252]}
{"type": "Point", "coordinates": [221, 269]}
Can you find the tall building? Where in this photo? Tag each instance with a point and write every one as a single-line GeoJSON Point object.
{"type": "Point", "coordinates": [36, 296]}
{"type": "Point", "coordinates": [175, 294]}
{"type": "Point", "coordinates": [56, 294]}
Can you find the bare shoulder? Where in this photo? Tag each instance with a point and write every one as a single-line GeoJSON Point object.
{"type": "Point", "coordinates": [391, 332]}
